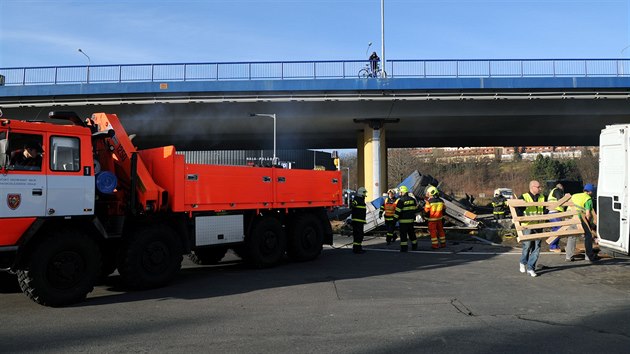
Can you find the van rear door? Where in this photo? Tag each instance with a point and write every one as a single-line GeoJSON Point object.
{"type": "Point", "coordinates": [612, 189]}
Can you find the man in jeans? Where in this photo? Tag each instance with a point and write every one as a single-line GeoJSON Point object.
{"type": "Point", "coordinates": [531, 248]}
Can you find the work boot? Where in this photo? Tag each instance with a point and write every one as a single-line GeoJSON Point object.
{"type": "Point", "coordinates": [394, 237]}
{"type": "Point", "coordinates": [356, 249]}
{"type": "Point", "coordinates": [404, 248]}
{"type": "Point", "coordinates": [442, 245]}
{"type": "Point", "coordinates": [414, 246]}
{"type": "Point", "coordinates": [388, 239]}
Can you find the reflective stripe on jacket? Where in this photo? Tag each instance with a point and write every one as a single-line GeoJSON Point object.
{"type": "Point", "coordinates": [435, 208]}
{"type": "Point", "coordinates": [389, 208]}
{"type": "Point", "coordinates": [498, 205]}
{"type": "Point", "coordinates": [406, 208]}
{"type": "Point", "coordinates": [358, 209]}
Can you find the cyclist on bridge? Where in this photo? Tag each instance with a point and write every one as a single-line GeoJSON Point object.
{"type": "Point", "coordinates": [374, 59]}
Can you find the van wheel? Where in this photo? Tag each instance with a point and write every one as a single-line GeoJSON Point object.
{"type": "Point", "coordinates": [266, 243]}
{"type": "Point", "coordinates": [306, 239]}
{"type": "Point", "coordinates": [150, 258]}
{"type": "Point", "coordinates": [62, 269]}
{"type": "Point", "coordinates": [206, 256]}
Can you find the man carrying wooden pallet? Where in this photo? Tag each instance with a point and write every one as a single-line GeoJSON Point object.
{"type": "Point", "coordinates": [584, 205]}
{"type": "Point", "coordinates": [531, 248]}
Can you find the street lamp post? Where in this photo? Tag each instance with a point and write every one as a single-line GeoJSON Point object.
{"type": "Point", "coordinates": [89, 64]}
{"type": "Point", "coordinates": [383, 34]}
{"type": "Point", "coordinates": [273, 161]}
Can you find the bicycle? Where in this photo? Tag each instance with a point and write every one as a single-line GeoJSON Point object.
{"type": "Point", "coordinates": [367, 72]}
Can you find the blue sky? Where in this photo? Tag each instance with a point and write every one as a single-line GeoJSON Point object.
{"type": "Point", "coordinates": [49, 32]}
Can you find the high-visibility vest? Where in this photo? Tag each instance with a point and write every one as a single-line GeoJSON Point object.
{"type": "Point", "coordinates": [579, 202]}
{"type": "Point", "coordinates": [551, 198]}
{"type": "Point", "coordinates": [435, 208]}
{"type": "Point", "coordinates": [389, 208]}
{"type": "Point", "coordinates": [533, 210]}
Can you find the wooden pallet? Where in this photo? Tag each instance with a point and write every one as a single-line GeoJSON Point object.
{"type": "Point", "coordinates": [570, 224]}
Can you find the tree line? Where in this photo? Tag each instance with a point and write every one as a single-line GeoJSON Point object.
{"type": "Point", "coordinates": [482, 177]}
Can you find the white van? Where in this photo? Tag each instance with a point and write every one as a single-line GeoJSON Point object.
{"type": "Point", "coordinates": [613, 210]}
{"type": "Point", "coordinates": [505, 192]}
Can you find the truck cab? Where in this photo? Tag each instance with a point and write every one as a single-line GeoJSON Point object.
{"type": "Point", "coordinates": [46, 172]}
{"type": "Point", "coordinates": [613, 212]}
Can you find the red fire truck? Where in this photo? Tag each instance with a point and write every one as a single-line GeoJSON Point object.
{"type": "Point", "coordinates": [78, 201]}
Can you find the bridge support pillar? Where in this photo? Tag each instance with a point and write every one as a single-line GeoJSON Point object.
{"type": "Point", "coordinates": [372, 157]}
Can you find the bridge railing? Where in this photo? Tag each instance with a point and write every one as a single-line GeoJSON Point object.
{"type": "Point", "coordinates": [291, 70]}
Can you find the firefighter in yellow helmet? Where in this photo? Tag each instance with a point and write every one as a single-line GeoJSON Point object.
{"type": "Point", "coordinates": [389, 210]}
{"type": "Point", "coordinates": [406, 208]}
{"type": "Point", "coordinates": [359, 212]}
{"type": "Point", "coordinates": [434, 208]}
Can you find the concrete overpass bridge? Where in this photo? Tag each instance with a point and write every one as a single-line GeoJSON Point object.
{"type": "Point", "coordinates": [324, 104]}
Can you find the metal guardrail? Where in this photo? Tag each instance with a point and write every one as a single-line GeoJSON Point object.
{"type": "Point", "coordinates": [291, 70]}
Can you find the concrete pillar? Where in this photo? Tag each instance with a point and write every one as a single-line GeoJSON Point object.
{"type": "Point", "coordinates": [360, 160]}
{"type": "Point", "coordinates": [372, 160]}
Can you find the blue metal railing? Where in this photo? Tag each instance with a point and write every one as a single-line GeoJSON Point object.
{"type": "Point", "coordinates": [291, 70]}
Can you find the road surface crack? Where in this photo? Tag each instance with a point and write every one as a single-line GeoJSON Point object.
{"type": "Point", "coordinates": [461, 307]}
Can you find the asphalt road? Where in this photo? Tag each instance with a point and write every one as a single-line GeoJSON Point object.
{"type": "Point", "coordinates": [470, 298]}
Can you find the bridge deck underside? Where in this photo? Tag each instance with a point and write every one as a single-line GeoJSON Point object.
{"type": "Point", "coordinates": [310, 118]}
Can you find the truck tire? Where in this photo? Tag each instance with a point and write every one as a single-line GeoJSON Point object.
{"type": "Point", "coordinates": [266, 244]}
{"type": "Point", "coordinates": [207, 256]}
{"type": "Point", "coordinates": [306, 239]}
{"type": "Point", "coordinates": [61, 270]}
{"type": "Point", "coordinates": [150, 257]}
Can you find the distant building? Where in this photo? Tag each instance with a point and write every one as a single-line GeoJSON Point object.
{"type": "Point", "coordinates": [295, 159]}
{"type": "Point", "coordinates": [479, 154]}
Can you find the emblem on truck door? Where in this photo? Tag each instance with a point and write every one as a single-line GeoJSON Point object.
{"type": "Point", "coordinates": [14, 200]}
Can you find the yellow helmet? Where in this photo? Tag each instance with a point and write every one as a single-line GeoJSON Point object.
{"type": "Point", "coordinates": [362, 191]}
{"type": "Point", "coordinates": [403, 189]}
{"type": "Point", "coordinates": [432, 191]}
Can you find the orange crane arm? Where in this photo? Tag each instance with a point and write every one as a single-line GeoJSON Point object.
{"type": "Point", "coordinates": [121, 149]}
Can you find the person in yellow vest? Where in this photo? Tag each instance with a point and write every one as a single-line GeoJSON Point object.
{"type": "Point", "coordinates": [434, 208]}
{"type": "Point", "coordinates": [389, 210]}
{"type": "Point", "coordinates": [556, 194]}
{"type": "Point", "coordinates": [406, 209]}
{"type": "Point", "coordinates": [531, 248]}
{"type": "Point", "coordinates": [359, 211]}
{"type": "Point", "coordinates": [584, 205]}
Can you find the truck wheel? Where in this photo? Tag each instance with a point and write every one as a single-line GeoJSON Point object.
{"type": "Point", "coordinates": [206, 256]}
{"type": "Point", "coordinates": [150, 258]}
{"type": "Point", "coordinates": [61, 270]}
{"type": "Point", "coordinates": [266, 243]}
{"type": "Point", "coordinates": [306, 239]}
